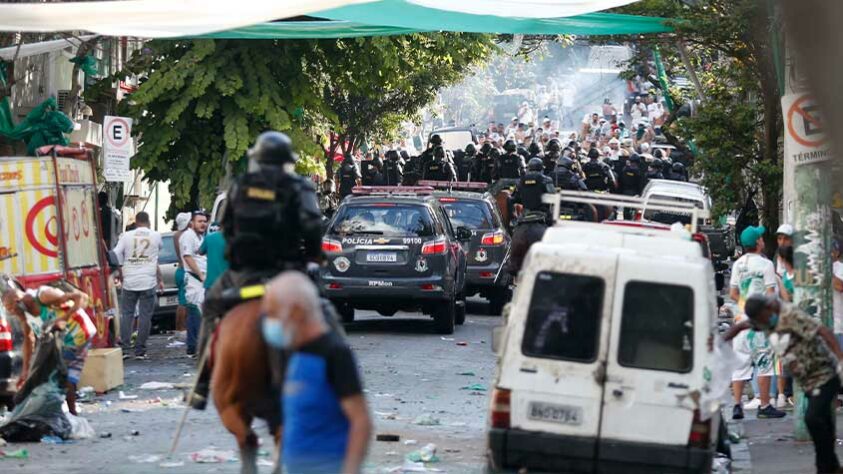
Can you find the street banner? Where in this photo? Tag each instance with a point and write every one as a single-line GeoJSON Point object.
{"type": "Point", "coordinates": [117, 148]}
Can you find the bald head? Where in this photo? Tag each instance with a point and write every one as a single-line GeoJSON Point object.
{"type": "Point", "coordinates": [293, 299]}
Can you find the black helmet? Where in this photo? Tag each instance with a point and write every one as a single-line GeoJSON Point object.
{"type": "Point", "coordinates": [436, 140]}
{"type": "Point", "coordinates": [378, 162]}
{"type": "Point", "coordinates": [593, 154]}
{"type": "Point", "coordinates": [494, 153]}
{"type": "Point", "coordinates": [553, 145]}
{"type": "Point", "coordinates": [486, 148]}
{"type": "Point", "coordinates": [534, 149]}
{"type": "Point", "coordinates": [439, 152]}
{"type": "Point", "coordinates": [657, 164]}
{"type": "Point", "coordinates": [635, 158]}
{"type": "Point", "coordinates": [565, 162]}
{"type": "Point", "coordinates": [509, 146]}
{"type": "Point", "coordinates": [535, 164]}
{"type": "Point", "coordinates": [392, 155]}
{"type": "Point", "coordinates": [273, 148]}
{"type": "Point", "coordinates": [470, 149]}
{"type": "Point", "coordinates": [678, 167]}
{"type": "Point", "coordinates": [657, 153]}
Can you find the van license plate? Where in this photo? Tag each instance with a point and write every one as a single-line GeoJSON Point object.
{"type": "Point", "coordinates": [565, 415]}
{"type": "Point", "coordinates": [382, 257]}
{"type": "Point", "coordinates": [165, 301]}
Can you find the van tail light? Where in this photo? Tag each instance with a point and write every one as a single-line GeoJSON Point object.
{"type": "Point", "coordinates": [501, 408]}
{"type": "Point", "coordinates": [492, 238]}
{"type": "Point", "coordinates": [435, 247]}
{"type": "Point", "coordinates": [331, 246]}
{"type": "Point", "coordinates": [700, 436]}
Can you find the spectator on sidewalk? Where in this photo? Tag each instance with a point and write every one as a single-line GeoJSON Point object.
{"type": "Point", "coordinates": [182, 223]}
{"type": "Point", "coordinates": [811, 353]}
{"type": "Point", "coordinates": [784, 238]}
{"type": "Point", "coordinates": [325, 414]}
{"type": "Point", "coordinates": [213, 248]}
{"type": "Point", "coordinates": [138, 251]}
{"type": "Point", "coordinates": [195, 267]}
{"type": "Point", "coordinates": [753, 274]}
{"type": "Point", "coordinates": [837, 288]}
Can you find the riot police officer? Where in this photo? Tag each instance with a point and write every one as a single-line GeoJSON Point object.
{"type": "Point", "coordinates": [565, 178]}
{"type": "Point", "coordinates": [427, 156]}
{"type": "Point", "coordinates": [393, 169]}
{"type": "Point", "coordinates": [598, 176]}
{"type": "Point", "coordinates": [654, 170]}
{"type": "Point", "coordinates": [373, 175]}
{"type": "Point", "coordinates": [632, 179]}
{"type": "Point", "coordinates": [439, 168]}
{"type": "Point", "coordinates": [535, 215]}
{"type": "Point", "coordinates": [271, 223]}
{"type": "Point", "coordinates": [511, 164]}
{"type": "Point", "coordinates": [486, 166]}
{"type": "Point", "coordinates": [551, 156]}
{"type": "Point", "coordinates": [677, 172]}
{"type": "Point", "coordinates": [465, 162]}
{"type": "Point", "coordinates": [348, 175]}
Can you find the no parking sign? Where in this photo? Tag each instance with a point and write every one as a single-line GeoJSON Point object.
{"type": "Point", "coordinates": [117, 148]}
{"type": "Point", "coordinates": [805, 137]}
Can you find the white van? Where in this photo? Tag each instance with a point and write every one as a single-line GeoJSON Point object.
{"type": "Point", "coordinates": [604, 355]}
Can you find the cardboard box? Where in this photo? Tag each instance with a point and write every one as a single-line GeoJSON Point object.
{"type": "Point", "coordinates": [103, 369]}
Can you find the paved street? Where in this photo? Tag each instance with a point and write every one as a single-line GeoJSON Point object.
{"type": "Point", "coordinates": [408, 372]}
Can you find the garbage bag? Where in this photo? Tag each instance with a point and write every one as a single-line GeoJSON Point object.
{"type": "Point", "coordinates": [80, 428]}
{"type": "Point", "coordinates": [38, 411]}
{"type": "Point", "coordinates": [718, 376]}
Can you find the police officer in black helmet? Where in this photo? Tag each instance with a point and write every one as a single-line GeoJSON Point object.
{"type": "Point", "coordinates": [565, 178]}
{"type": "Point", "coordinates": [465, 162]}
{"type": "Point", "coordinates": [598, 176]}
{"type": "Point", "coordinates": [427, 156]}
{"type": "Point", "coordinates": [534, 217]}
{"type": "Point", "coordinates": [393, 169]}
{"type": "Point", "coordinates": [271, 223]}
{"type": "Point", "coordinates": [632, 178]}
{"type": "Point", "coordinates": [373, 175]}
{"type": "Point", "coordinates": [677, 172]}
{"type": "Point", "coordinates": [348, 175]}
{"type": "Point", "coordinates": [439, 168]}
{"type": "Point", "coordinates": [486, 165]}
{"type": "Point", "coordinates": [654, 170]}
{"type": "Point", "coordinates": [511, 164]}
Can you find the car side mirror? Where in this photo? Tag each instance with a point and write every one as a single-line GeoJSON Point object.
{"type": "Point", "coordinates": [463, 234]}
{"type": "Point", "coordinates": [719, 281]}
{"type": "Point", "coordinates": [112, 259]}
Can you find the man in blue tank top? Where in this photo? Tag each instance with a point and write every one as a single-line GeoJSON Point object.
{"type": "Point", "coordinates": [326, 418]}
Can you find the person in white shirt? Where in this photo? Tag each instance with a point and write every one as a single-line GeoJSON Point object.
{"type": "Point", "coordinates": [638, 111]}
{"type": "Point", "coordinates": [784, 238]}
{"type": "Point", "coordinates": [194, 268]}
{"type": "Point", "coordinates": [837, 287]}
{"type": "Point", "coordinates": [137, 250]}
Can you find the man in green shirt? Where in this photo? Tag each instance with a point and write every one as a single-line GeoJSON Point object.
{"type": "Point", "coordinates": [214, 248]}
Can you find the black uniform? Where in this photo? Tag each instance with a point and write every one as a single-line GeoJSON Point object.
{"type": "Point", "coordinates": [632, 180]}
{"type": "Point", "coordinates": [372, 175]}
{"type": "Point", "coordinates": [653, 173]}
{"type": "Point", "coordinates": [485, 170]}
{"type": "Point", "coordinates": [464, 163]}
{"type": "Point", "coordinates": [549, 159]}
{"type": "Point", "coordinates": [530, 189]}
{"type": "Point", "coordinates": [511, 166]}
{"type": "Point", "coordinates": [348, 175]}
{"type": "Point", "coordinates": [439, 170]}
{"type": "Point", "coordinates": [564, 178]}
{"type": "Point", "coordinates": [598, 176]}
{"type": "Point", "coordinates": [393, 170]}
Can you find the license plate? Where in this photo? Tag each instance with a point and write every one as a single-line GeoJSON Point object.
{"type": "Point", "coordinates": [566, 415]}
{"type": "Point", "coordinates": [382, 257]}
{"type": "Point", "coordinates": [168, 301]}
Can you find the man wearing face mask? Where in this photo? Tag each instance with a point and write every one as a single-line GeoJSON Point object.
{"type": "Point", "coordinates": [326, 424]}
{"type": "Point", "coordinates": [812, 355]}
{"type": "Point", "coordinates": [271, 223]}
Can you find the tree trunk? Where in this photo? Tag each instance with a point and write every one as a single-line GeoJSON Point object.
{"type": "Point", "coordinates": [329, 156]}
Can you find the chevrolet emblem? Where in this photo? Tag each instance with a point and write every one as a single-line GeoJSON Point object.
{"type": "Point", "coordinates": [381, 241]}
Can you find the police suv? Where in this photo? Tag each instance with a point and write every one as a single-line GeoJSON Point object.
{"type": "Point", "coordinates": [468, 205]}
{"type": "Point", "coordinates": [393, 248]}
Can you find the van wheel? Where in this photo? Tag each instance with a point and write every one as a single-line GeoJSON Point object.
{"type": "Point", "coordinates": [497, 300]}
{"type": "Point", "coordinates": [444, 316]}
{"type": "Point", "coordinates": [346, 312]}
{"type": "Point", "coordinates": [459, 316]}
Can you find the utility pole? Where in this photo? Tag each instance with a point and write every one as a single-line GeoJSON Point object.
{"type": "Point", "coordinates": [807, 205]}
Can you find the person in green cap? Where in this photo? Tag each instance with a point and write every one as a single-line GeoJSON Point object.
{"type": "Point", "coordinates": [753, 274]}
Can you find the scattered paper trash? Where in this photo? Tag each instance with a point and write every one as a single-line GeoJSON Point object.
{"type": "Point", "coordinates": [209, 455]}
{"type": "Point", "coordinates": [447, 338]}
{"type": "Point", "coordinates": [167, 464]}
{"type": "Point", "coordinates": [410, 442]}
{"type": "Point", "coordinates": [426, 420]}
{"type": "Point", "coordinates": [468, 374]}
{"type": "Point", "coordinates": [16, 454]}
{"type": "Point", "coordinates": [52, 440]}
{"type": "Point", "coordinates": [87, 390]}
{"type": "Point", "coordinates": [123, 396]}
{"type": "Point", "coordinates": [426, 454]}
{"type": "Point", "coordinates": [175, 344]}
{"type": "Point", "coordinates": [721, 464]}
{"type": "Point", "coordinates": [79, 427]}
{"type": "Point", "coordinates": [475, 387]}
{"type": "Point", "coordinates": [144, 458]}
{"type": "Point", "coordinates": [265, 462]}
{"type": "Point", "coordinates": [156, 386]}
{"type": "Point", "coordinates": [462, 343]}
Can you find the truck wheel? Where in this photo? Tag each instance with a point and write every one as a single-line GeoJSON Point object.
{"type": "Point", "coordinates": [346, 312]}
{"type": "Point", "coordinates": [497, 300]}
{"type": "Point", "coordinates": [444, 316]}
{"type": "Point", "coordinates": [459, 317]}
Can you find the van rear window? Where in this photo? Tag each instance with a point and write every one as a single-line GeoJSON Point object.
{"type": "Point", "coordinates": [657, 327]}
{"type": "Point", "coordinates": [563, 321]}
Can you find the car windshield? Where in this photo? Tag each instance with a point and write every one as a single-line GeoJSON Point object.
{"type": "Point", "coordinates": [168, 251]}
{"type": "Point", "coordinates": [384, 219]}
{"type": "Point", "coordinates": [470, 214]}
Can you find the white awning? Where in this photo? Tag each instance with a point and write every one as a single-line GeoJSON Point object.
{"type": "Point", "coordinates": [40, 48]}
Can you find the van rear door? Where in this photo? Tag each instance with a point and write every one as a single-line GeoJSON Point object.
{"type": "Point", "coordinates": [553, 361]}
{"type": "Point", "coordinates": [657, 351]}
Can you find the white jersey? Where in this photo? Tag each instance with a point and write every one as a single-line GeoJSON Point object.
{"type": "Point", "coordinates": [138, 252]}
{"type": "Point", "coordinates": [189, 242]}
{"type": "Point", "coordinates": [837, 299]}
